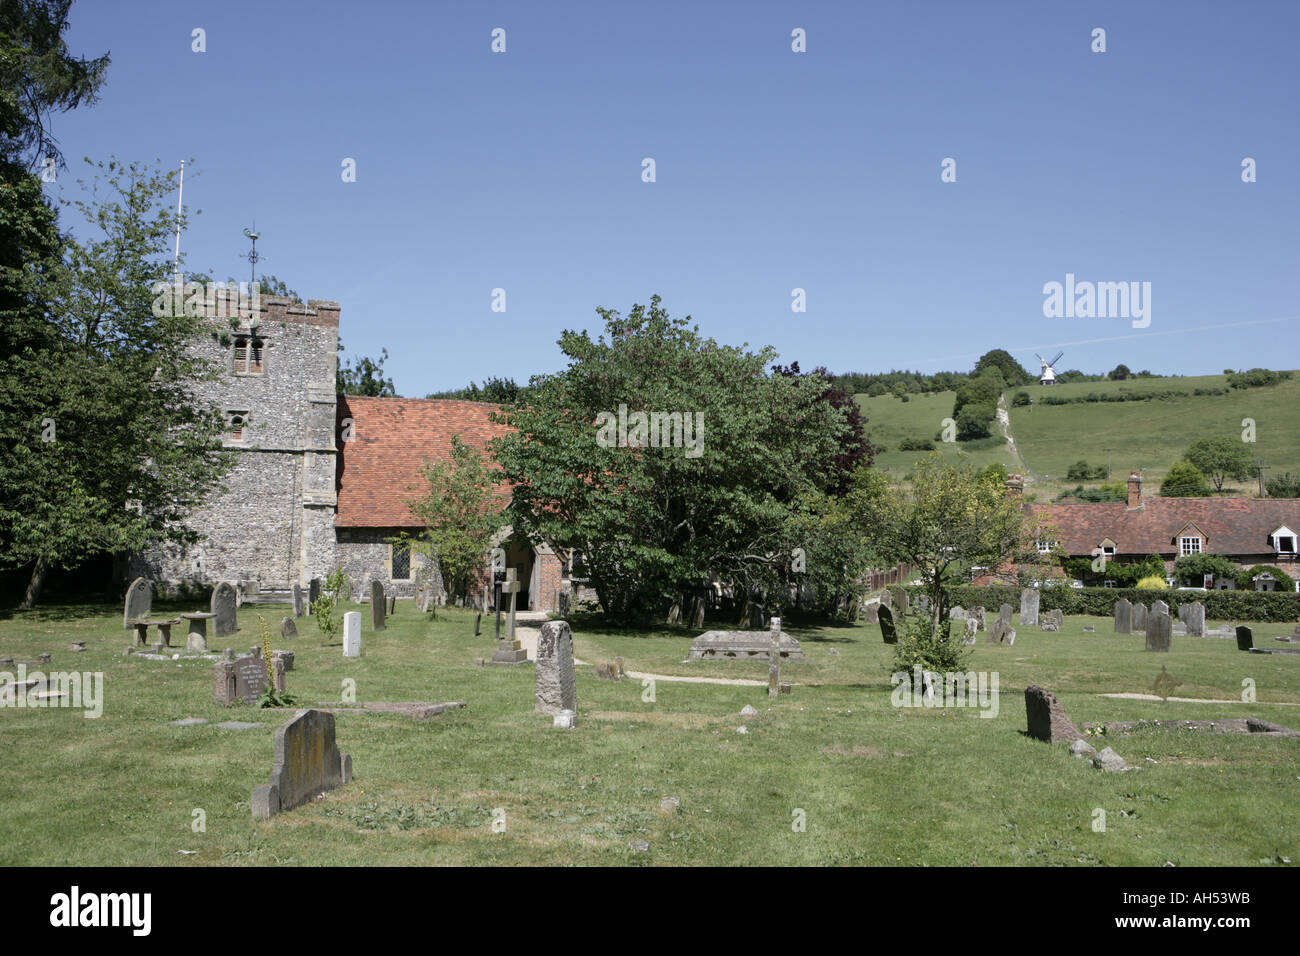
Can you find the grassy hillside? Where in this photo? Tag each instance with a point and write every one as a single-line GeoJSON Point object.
{"type": "Point", "coordinates": [1149, 435]}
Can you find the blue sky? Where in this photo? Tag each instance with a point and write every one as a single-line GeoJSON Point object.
{"type": "Point", "coordinates": [775, 170]}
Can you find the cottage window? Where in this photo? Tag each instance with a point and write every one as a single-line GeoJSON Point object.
{"type": "Point", "coordinates": [400, 562]}
{"type": "Point", "coordinates": [248, 355]}
{"type": "Point", "coordinates": [1045, 547]}
{"type": "Point", "coordinates": [1189, 545]}
{"type": "Point", "coordinates": [1285, 544]}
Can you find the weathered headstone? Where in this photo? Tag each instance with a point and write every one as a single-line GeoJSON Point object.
{"type": "Point", "coordinates": [1195, 619]}
{"type": "Point", "coordinates": [139, 602]}
{"type": "Point", "coordinates": [1160, 631]}
{"type": "Point", "coordinates": [1057, 617]}
{"type": "Point", "coordinates": [898, 602]}
{"type": "Point", "coordinates": [1140, 617]}
{"type": "Point", "coordinates": [1158, 607]}
{"type": "Point", "coordinates": [1029, 601]}
{"type": "Point", "coordinates": [972, 629]}
{"type": "Point", "coordinates": [958, 613]}
{"type": "Point", "coordinates": [392, 605]}
{"type": "Point", "coordinates": [307, 762]}
{"type": "Point", "coordinates": [1004, 613]}
{"type": "Point", "coordinates": [556, 683]}
{"type": "Point", "coordinates": [923, 603]}
{"type": "Point", "coordinates": [508, 649]}
{"type": "Point", "coordinates": [978, 614]}
{"type": "Point", "coordinates": [313, 592]}
{"type": "Point", "coordinates": [299, 607]}
{"type": "Point", "coordinates": [742, 645]}
{"type": "Point", "coordinates": [1001, 632]}
{"type": "Point", "coordinates": [871, 612]}
{"type": "Point", "coordinates": [1245, 638]}
{"type": "Point", "coordinates": [376, 606]}
{"type": "Point", "coordinates": [288, 628]}
{"type": "Point", "coordinates": [888, 633]}
{"type": "Point", "coordinates": [244, 679]}
{"type": "Point", "coordinates": [352, 634]}
{"type": "Point", "coordinates": [1046, 717]}
{"type": "Point", "coordinates": [223, 606]}
{"type": "Point", "coordinates": [1123, 616]}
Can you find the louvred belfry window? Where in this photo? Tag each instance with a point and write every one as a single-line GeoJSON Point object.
{"type": "Point", "coordinates": [248, 355]}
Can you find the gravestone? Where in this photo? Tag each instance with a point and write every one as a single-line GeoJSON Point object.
{"type": "Point", "coordinates": [1182, 613]}
{"type": "Point", "coordinates": [223, 607]}
{"type": "Point", "coordinates": [508, 649]}
{"type": "Point", "coordinates": [1158, 607]}
{"type": "Point", "coordinates": [972, 629]}
{"type": "Point", "coordinates": [139, 602]}
{"type": "Point", "coordinates": [307, 762]}
{"type": "Point", "coordinates": [923, 603]}
{"type": "Point", "coordinates": [1139, 616]}
{"type": "Point", "coordinates": [958, 613]}
{"type": "Point", "coordinates": [1055, 616]}
{"type": "Point", "coordinates": [556, 683]}
{"type": "Point", "coordinates": [392, 605]}
{"type": "Point", "coordinates": [1001, 632]}
{"type": "Point", "coordinates": [1123, 616]}
{"type": "Point", "coordinates": [1160, 630]}
{"type": "Point", "coordinates": [352, 634]}
{"type": "Point", "coordinates": [244, 679]}
{"type": "Point", "coordinates": [313, 592]}
{"type": "Point", "coordinates": [299, 609]}
{"type": "Point", "coordinates": [774, 660]}
{"type": "Point", "coordinates": [1029, 600]}
{"type": "Point", "coordinates": [871, 612]}
{"type": "Point", "coordinates": [1046, 717]}
{"type": "Point", "coordinates": [742, 645]}
{"type": "Point", "coordinates": [1245, 638]}
{"type": "Point", "coordinates": [1195, 619]}
{"type": "Point", "coordinates": [978, 614]}
{"type": "Point", "coordinates": [376, 606]}
{"type": "Point", "coordinates": [888, 633]}
{"type": "Point", "coordinates": [898, 602]}
{"type": "Point", "coordinates": [1004, 614]}
{"type": "Point", "coordinates": [288, 628]}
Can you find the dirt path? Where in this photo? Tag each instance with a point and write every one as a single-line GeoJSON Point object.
{"type": "Point", "coordinates": [1198, 700]}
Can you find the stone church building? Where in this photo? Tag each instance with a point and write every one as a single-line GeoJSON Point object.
{"type": "Point", "coordinates": [322, 479]}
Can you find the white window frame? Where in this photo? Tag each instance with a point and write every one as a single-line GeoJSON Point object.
{"type": "Point", "coordinates": [1190, 544]}
{"type": "Point", "coordinates": [1045, 547]}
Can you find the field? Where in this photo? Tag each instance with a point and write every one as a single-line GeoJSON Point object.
{"type": "Point", "coordinates": [877, 784]}
{"type": "Point", "coordinates": [1149, 435]}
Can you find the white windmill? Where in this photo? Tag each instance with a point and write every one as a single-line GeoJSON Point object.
{"type": "Point", "coordinates": [1048, 374]}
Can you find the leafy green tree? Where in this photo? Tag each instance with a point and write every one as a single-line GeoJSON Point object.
{"type": "Point", "coordinates": [729, 497]}
{"type": "Point", "coordinates": [365, 377]}
{"type": "Point", "coordinates": [1119, 373]}
{"type": "Point", "coordinates": [131, 451]}
{"type": "Point", "coordinates": [327, 601]}
{"type": "Point", "coordinates": [982, 390]}
{"type": "Point", "coordinates": [1012, 372]}
{"type": "Point", "coordinates": [501, 391]}
{"type": "Point", "coordinates": [1184, 480]}
{"type": "Point", "coordinates": [1283, 486]}
{"type": "Point", "coordinates": [1220, 458]}
{"type": "Point", "coordinates": [975, 421]}
{"type": "Point", "coordinates": [946, 518]}
{"type": "Point", "coordinates": [461, 513]}
{"type": "Point", "coordinates": [1193, 568]}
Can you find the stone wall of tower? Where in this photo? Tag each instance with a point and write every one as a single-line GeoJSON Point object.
{"type": "Point", "coordinates": [273, 525]}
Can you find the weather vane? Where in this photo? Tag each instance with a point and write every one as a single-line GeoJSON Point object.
{"type": "Point", "coordinates": [252, 255]}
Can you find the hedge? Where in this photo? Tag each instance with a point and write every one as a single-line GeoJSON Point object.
{"type": "Point", "coordinates": [1261, 606]}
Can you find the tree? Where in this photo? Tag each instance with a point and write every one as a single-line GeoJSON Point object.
{"type": "Point", "coordinates": [1220, 458]}
{"type": "Point", "coordinates": [975, 421]}
{"type": "Point", "coordinates": [1012, 372]}
{"type": "Point", "coordinates": [460, 511]}
{"type": "Point", "coordinates": [501, 391]}
{"type": "Point", "coordinates": [1194, 567]}
{"type": "Point", "coordinates": [365, 377]}
{"type": "Point", "coordinates": [728, 491]}
{"type": "Point", "coordinates": [1285, 485]}
{"type": "Point", "coordinates": [948, 517]}
{"type": "Point", "coordinates": [982, 390]}
{"type": "Point", "coordinates": [1184, 480]}
{"type": "Point", "coordinates": [131, 450]}
{"type": "Point", "coordinates": [39, 76]}
{"type": "Point", "coordinates": [855, 450]}
{"type": "Point", "coordinates": [1119, 373]}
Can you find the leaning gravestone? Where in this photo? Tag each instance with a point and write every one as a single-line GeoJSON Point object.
{"type": "Point", "coordinates": [1160, 631]}
{"type": "Point", "coordinates": [223, 606]}
{"type": "Point", "coordinates": [1029, 600]}
{"type": "Point", "coordinates": [288, 628]}
{"type": "Point", "coordinates": [1245, 638]}
{"type": "Point", "coordinates": [376, 606]}
{"type": "Point", "coordinates": [1046, 717]}
{"type": "Point", "coordinates": [1195, 619]}
{"type": "Point", "coordinates": [298, 607]}
{"type": "Point", "coordinates": [139, 601]}
{"type": "Point", "coordinates": [888, 633]}
{"type": "Point", "coordinates": [1139, 617]}
{"type": "Point", "coordinates": [352, 634]}
{"type": "Point", "coordinates": [307, 762]}
{"type": "Point", "coordinates": [1123, 616]}
{"type": "Point", "coordinates": [556, 686]}
{"type": "Point", "coordinates": [1001, 632]}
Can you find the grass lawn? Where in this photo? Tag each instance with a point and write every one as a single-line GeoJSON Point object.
{"type": "Point", "coordinates": [878, 784]}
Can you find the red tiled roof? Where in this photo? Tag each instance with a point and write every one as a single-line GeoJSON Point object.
{"type": "Point", "coordinates": [1231, 526]}
{"type": "Point", "coordinates": [379, 467]}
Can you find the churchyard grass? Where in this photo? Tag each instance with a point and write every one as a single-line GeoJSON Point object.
{"type": "Point", "coordinates": [878, 784]}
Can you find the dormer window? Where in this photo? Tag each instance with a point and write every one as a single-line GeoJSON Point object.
{"type": "Point", "coordinates": [1108, 548]}
{"type": "Point", "coordinates": [1189, 544]}
{"type": "Point", "coordinates": [1284, 540]}
{"type": "Point", "coordinates": [248, 355]}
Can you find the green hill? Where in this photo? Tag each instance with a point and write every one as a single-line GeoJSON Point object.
{"type": "Point", "coordinates": [1149, 435]}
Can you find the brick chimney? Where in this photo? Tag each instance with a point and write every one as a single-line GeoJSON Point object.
{"type": "Point", "coordinates": [1015, 485]}
{"type": "Point", "coordinates": [1134, 491]}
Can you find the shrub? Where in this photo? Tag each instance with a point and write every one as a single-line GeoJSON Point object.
{"type": "Point", "coordinates": [1152, 582]}
{"type": "Point", "coordinates": [975, 421]}
{"type": "Point", "coordinates": [1021, 399]}
{"type": "Point", "coordinates": [1283, 486]}
{"type": "Point", "coordinates": [1256, 378]}
{"type": "Point", "coordinates": [1194, 567]}
{"type": "Point", "coordinates": [323, 607]}
{"type": "Point", "coordinates": [1259, 606]}
{"type": "Point", "coordinates": [1184, 480]}
{"type": "Point", "coordinates": [916, 444]}
{"type": "Point", "coordinates": [1284, 580]}
{"type": "Point", "coordinates": [919, 645]}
